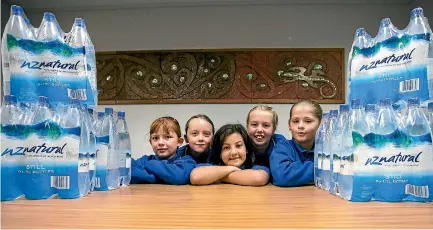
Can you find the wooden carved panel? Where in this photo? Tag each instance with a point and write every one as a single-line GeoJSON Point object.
{"type": "Point", "coordinates": [222, 76]}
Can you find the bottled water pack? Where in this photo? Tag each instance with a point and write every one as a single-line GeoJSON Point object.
{"type": "Point", "coordinates": [63, 151]}
{"type": "Point", "coordinates": [396, 64]}
{"type": "Point", "coordinates": [42, 157]}
{"type": "Point", "coordinates": [45, 61]}
{"type": "Point", "coordinates": [380, 156]}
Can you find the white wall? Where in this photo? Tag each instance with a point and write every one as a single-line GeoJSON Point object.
{"type": "Point", "coordinates": [282, 26]}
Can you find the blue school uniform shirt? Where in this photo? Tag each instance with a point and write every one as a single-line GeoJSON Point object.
{"type": "Point", "coordinates": [152, 170]}
{"type": "Point", "coordinates": [291, 165]}
{"type": "Point", "coordinates": [263, 158]}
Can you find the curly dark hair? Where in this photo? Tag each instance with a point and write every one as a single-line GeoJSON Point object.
{"type": "Point", "coordinates": [218, 142]}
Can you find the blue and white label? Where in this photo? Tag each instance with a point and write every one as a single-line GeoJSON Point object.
{"type": "Point", "coordinates": [392, 72]}
{"type": "Point", "coordinates": [399, 170]}
{"type": "Point", "coordinates": [54, 70]}
{"type": "Point", "coordinates": [42, 166]}
{"type": "Point", "coordinates": [101, 163]}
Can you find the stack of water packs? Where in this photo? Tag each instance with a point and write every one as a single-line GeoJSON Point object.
{"type": "Point", "coordinates": [49, 139]}
{"type": "Point", "coordinates": [380, 147]}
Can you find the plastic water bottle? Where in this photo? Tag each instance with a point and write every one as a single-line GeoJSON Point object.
{"type": "Point", "coordinates": [359, 42]}
{"type": "Point", "coordinates": [77, 169]}
{"type": "Point", "coordinates": [417, 184]}
{"type": "Point", "coordinates": [42, 113]}
{"type": "Point", "coordinates": [371, 117]}
{"type": "Point", "coordinates": [10, 113]}
{"type": "Point", "coordinates": [429, 115]}
{"type": "Point", "coordinates": [37, 185]}
{"type": "Point", "coordinates": [342, 121]}
{"type": "Point", "coordinates": [124, 149]}
{"type": "Point", "coordinates": [419, 26]}
{"type": "Point", "coordinates": [98, 121]}
{"type": "Point", "coordinates": [91, 115]}
{"type": "Point", "coordinates": [387, 121]}
{"type": "Point", "coordinates": [360, 128]}
{"type": "Point", "coordinates": [328, 149]}
{"type": "Point", "coordinates": [335, 142]}
{"type": "Point", "coordinates": [92, 148]}
{"type": "Point", "coordinates": [33, 32]}
{"type": "Point", "coordinates": [27, 111]}
{"type": "Point", "coordinates": [107, 171]}
{"type": "Point", "coordinates": [10, 187]}
{"type": "Point", "coordinates": [50, 29]}
{"type": "Point", "coordinates": [362, 38]}
{"type": "Point", "coordinates": [79, 37]}
{"type": "Point", "coordinates": [87, 145]}
{"type": "Point", "coordinates": [416, 123]}
{"type": "Point", "coordinates": [386, 30]}
{"type": "Point", "coordinates": [18, 29]}
{"type": "Point", "coordinates": [318, 150]}
{"type": "Point", "coordinates": [346, 153]}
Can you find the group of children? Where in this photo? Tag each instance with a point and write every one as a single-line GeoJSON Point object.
{"type": "Point", "coordinates": [250, 156]}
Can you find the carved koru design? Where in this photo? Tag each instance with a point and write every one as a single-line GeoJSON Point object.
{"type": "Point", "coordinates": [220, 76]}
{"type": "Point", "coordinates": [165, 76]}
{"type": "Point", "coordinates": [297, 73]}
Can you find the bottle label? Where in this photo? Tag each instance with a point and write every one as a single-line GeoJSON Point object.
{"type": "Point", "coordinates": [101, 163]}
{"type": "Point", "coordinates": [395, 69]}
{"type": "Point", "coordinates": [128, 159]}
{"type": "Point", "coordinates": [326, 161]}
{"type": "Point", "coordinates": [57, 71]}
{"type": "Point", "coordinates": [83, 162]}
{"type": "Point", "coordinates": [386, 167]}
{"type": "Point", "coordinates": [41, 158]}
{"type": "Point", "coordinates": [102, 151]}
{"type": "Point", "coordinates": [92, 160]}
{"type": "Point", "coordinates": [320, 160]}
{"type": "Point", "coordinates": [336, 163]}
{"type": "Point", "coordinates": [430, 69]}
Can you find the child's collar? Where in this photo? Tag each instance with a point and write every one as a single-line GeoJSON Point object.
{"type": "Point", "coordinates": [302, 150]}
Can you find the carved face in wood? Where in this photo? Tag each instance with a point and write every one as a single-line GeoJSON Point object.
{"type": "Point", "coordinates": [234, 150]}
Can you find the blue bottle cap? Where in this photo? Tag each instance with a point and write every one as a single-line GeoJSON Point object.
{"type": "Point", "coordinates": [42, 100]}
{"type": "Point", "coordinates": [385, 22]}
{"type": "Point", "coordinates": [109, 111]}
{"type": "Point", "coordinates": [370, 107]}
{"type": "Point", "coordinates": [356, 103]}
{"type": "Point", "coordinates": [121, 114]}
{"type": "Point", "coordinates": [344, 108]}
{"type": "Point", "coordinates": [413, 102]}
{"type": "Point", "coordinates": [333, 113]}
{"type": "Point", "coordinates": [417, 12]}
{"type": "Point", "coordinates": [430, 106]}
{"type": "Point", "coordinates": [17, 10]}
{"type": "Point", "coordinates": [360, 32]}
{"type": "Point", "coordinates": [48, 16]}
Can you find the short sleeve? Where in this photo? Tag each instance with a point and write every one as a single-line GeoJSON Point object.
{"type": "Point", "coordinates": [261, 167]}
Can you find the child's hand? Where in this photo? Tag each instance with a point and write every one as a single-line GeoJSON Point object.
{"type": "Point", "coordinates": [234, 168]}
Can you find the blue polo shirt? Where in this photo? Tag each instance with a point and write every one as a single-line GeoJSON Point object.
{"type": "Point", "coordinates": [263, 158]}
{"type": "Point", "coordinates": [291, 165]}
{"type": "Point", "coordinates": [152, 170]}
